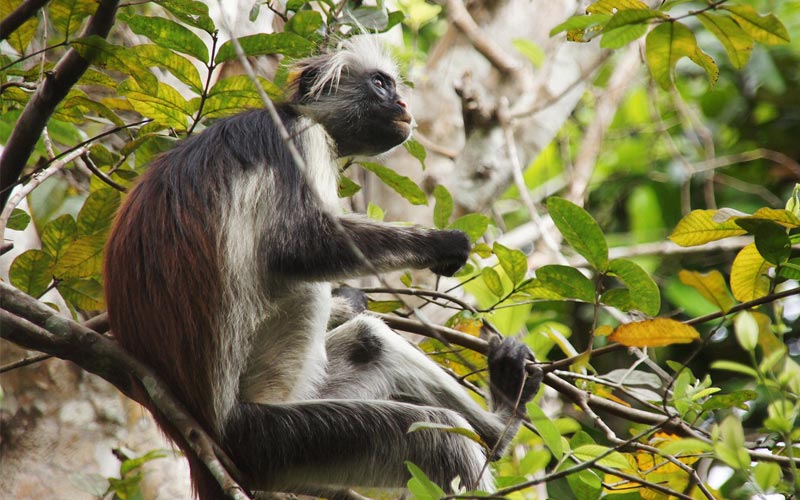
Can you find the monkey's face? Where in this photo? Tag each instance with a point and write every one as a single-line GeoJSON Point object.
{"type": "Point", "coordinates": [370, 115]}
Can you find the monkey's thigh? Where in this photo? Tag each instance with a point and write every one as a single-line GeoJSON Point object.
{"type": "Point", "coordinates": [368, 360]}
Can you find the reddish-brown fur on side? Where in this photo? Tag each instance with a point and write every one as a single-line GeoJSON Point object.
{"type": "Point", "coordinates": [164, 290]}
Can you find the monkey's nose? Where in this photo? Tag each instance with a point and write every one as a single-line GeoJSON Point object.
{"type": "Point", "coordinates": [402, 103]}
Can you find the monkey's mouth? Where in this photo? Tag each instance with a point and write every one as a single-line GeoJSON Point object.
{"type": "Point", "coordinates": [404, 121]}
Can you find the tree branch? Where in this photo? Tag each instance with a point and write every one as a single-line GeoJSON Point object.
{"type": "Point", "coordinates": [17, 18]}
{"type": "Point", "coordinates": [29, 323]}
{"type": "Point", "coordinates": [43, 102]}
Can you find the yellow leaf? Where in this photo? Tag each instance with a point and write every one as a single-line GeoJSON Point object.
{"type": "Point", "coordinates": [698, 228]}
{"type": "Point", "coordinates": [654, 333]}
{"type": "Point", "coordinates": [783, 217]}
{"type": "Point", "coordinates": [711, 285]}
{"type": "Point", "coordinates": [749, 278]}
{"type": "Point", "coordinates": [603, 331]}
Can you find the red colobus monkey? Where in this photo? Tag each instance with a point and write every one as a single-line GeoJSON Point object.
{"type": "Point", "coordinates": [217, 275]}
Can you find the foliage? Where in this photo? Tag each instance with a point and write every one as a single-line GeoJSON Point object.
{"type": "Point", "coordinates": [697, 394]}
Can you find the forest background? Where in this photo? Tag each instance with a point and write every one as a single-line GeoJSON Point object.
{"type": "Point", "coordinates": [626, 171]}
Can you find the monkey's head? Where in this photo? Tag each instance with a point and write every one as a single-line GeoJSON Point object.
{"type": "Point", "coordinates": [353, 94]}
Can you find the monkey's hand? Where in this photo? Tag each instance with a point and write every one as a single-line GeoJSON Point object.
{"type": "Point", "coordinates": [512, 386]}
{"type": "Point", "coordinates": [453, 247]}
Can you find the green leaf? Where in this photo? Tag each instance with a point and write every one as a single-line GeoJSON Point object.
{"type": "Point", "coordinates": [513, 262]}
{"type": "Point", "coordinates": [19, 220]}
{"type": "Point", "coordinates": [531, 50]}
{"type": "Point", "coordinates": [20, 38]}
{"type": "Point", "coordinates": [566, 281]}
{"type": "Point", "coordinates": [767, 475]}
{"type": "Point", "coordinates": [68, 15]}
{"type": "Point", "coordinates": [576, 26]}
{"type": "Point", "coordinates": [733, 366]}
{"type": "Point", "coordinates": [366, 17]}
{"type": "Point", "coordinates": [416, 150]}
{"type": "Point", "coordinates": [644, 292]}
{"type": "Point", "coordinates": [82, 258]}
{"type": "Point", "coordinates": [32, 272]}
{"type": "Point", "coordinates": [192, 12]}
{"type": "Point", "coordinates": [84, 294]}
{"type": "Point", "coordinates": [404, 186]}
{"type": "Point", "coordinates": [87, 105]}
{"type": "Point", "coordinates": [305, 23]}
{"type": "Point", "coordinates": [57, 234]}
{"type": "Point", "coordinates": [579, 230]}
{"type": "Point", "coordinates": [738, 44]}
{"type": "Point", "coordinates": [707, 63]}
{"type": "Point", "coordinates": [730, 446]}
{"type": "Point", "coordinates": [288, 44]}
{"type": "Point", "coordinates": [474, 225]}
{"type": "Point", "coordinates": [166, 106]}
{"type": "Point", "coordinates": [101, 53]}
{"type": "Point", "coordinates": [347, 187]}
{"type": "Point", "coordinates": [493, 282]}
{"type": "Point", "coordinates": [764, 29]}
{"type": "Point", "coordinates": [627, 25]}
{"type": "Point", "coordinates": [135, 463]}
{"type": "Point", "coordinates": [98, 212]}
{"type": "Point", "coordinates": [613, 459]}
{"type": "Point", "coordinates": [770, 238]}
{"type": "Point", "coordinates": [169, 34]}
{"type": "Point", "coordinates": [746, 328]}
{"type": "Point", "coordinates": [443, 208]}
{"type": "Point", "coordinates": [665, 46]}
{"type": "Point", "coordinates": [546, 429]}
{"type": "Point", "coordinates": [732, 400]}
{"type": "Point", "coordinates": [235, 94]}
{"type": "Point", "coordinates": [385, 306]}
{"type": "Point", "coordinates": [180, 67]}
{"type": "Point", "coordinates": [375, 212]}
{"type": "Point", "coordinates": [420, 486]}
{"type": "Point", "coordinates": [622, 36]}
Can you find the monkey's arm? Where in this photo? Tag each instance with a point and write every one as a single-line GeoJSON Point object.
{"type": "Point", "coordinates": [322, 250]}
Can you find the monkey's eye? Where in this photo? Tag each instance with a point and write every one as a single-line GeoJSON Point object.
{"type": "Point", "coordinates": [378, 82]}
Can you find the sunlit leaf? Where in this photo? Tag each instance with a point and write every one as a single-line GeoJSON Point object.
{"type": "Point", "coordinates": [735, 399]}
{"type": "Point", "coordinates": [82, 258]}
{"type": "Point", "coordinates": [68, 15]}
{"type": "Point", "coordinates": [180, 67]}
{"type": "Point", "coordinates": [766, 29]}
{"type": "Point", "coordinates": [612, 459]}
{"type": "Point", "coordinates": [304, 23]}
{"type": "Point", "coordinates": [401, 184]}
{"type": "Point", "coordinates": [546, 429]}
{"type": "Point", "coordinates": [513, 262]}
{"type": "Point", "coordinates": [654, 333]}
{"type": "Point", "coordinates": [749, 275]}
{"type": "Point", "coordinates": [85, 294]}
{"type": "Point", "coordinates": [579, 230]}
{"type": "Point", "coordinates": [711, 285]}
{"type": "Point", "coordinates": [493, 282]}
{"type": "Point", "coordinates": [98, 212]}
{"type": "Point", "coordinates": [698, 228]}
{"type": "Point", "coordinates": [261, 44]}
{"type": "Point", "coordinates": [644, 292]}
{"type": "Point", "coordinates": [166, 106]}
{"type": "Point", "coordinates": [32, 272]}
{"type": "Point", "coordinates": [474, 225]}
{"type": "Point", "coordinates": [18, 220]}
{"type": "Point", "coordinates": [169, 34]}
{"type": "Point", "coordinates": [738, 45]}
{"type": "Point", "coordinates": [566, 281]}
{"type": "Point", "coordinates": [420, 486]}
{"type": "Point", "coordinates": [416, 150]}
{"type": "Point", "coordinates": [20, 38]}
{"type": "Point", "coordinates": [666, 44]}
{"type": "Point", "coordinates": [57, 234]}
{"type": "Point", "coordinates": [443, 208]}
{"type": "Point", "coordinates": [192, 12]}
{"type": "Point", "coordinates": [98, 51]}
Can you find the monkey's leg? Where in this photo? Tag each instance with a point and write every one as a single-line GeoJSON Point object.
{"type": "Point", "coordinates": [366, 359]}
{"type": "Point", "coordinates": [343, 443]}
